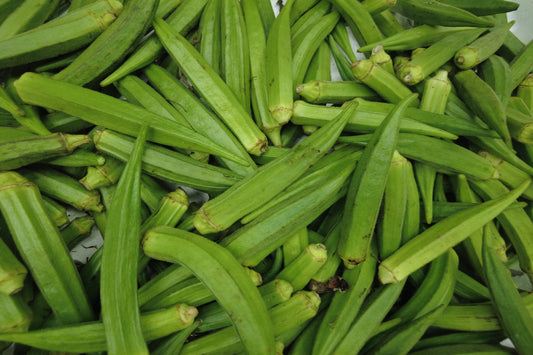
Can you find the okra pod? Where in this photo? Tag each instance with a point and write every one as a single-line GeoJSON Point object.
{"type": "Point", "coordinates": [62, 35]}
{"type": "Point", "coordinates": [167, 164]}
{"type": "Point", "coordinates": [7, 104]}
{"type": "Point", "coordinates": [525, 91]}
{"type": "Point", "coordinates": [367, 188]}
{"type": "Point", "coordinates": [61, 122]}
{"type": "Point", "coordinates": [174, 343]}
{"type": "Point", "coordinates": [360, 21]}
{"type": "Point", "coordinates": [520, 125]}
{"type": "Point", "coordinates": [104, 175]}
{"type": "Point", "coordinates": [435, 56]}
{"type": "Point", "coordinates": [487, 7]}
{"type": "Point", "coordinates": [217, 268]}
{"type": "Point", "coordinates": [334, 92]}
{"type": "Point", "coordinates": [463, 338]}
{"type": "Point", "coordinates": [15, 315]}
{"type": "Point", "coordinates": [20, 152]}
{"type": "Point", "coordinates": [78, 229]}
{"type": "Point", "coordinates": [435, 240]}
{"type": "Point", "coordinates": [387, 23]}
{"type": "Point", "coordinates": [470, 289]}
{"type": "Point", "coordinates": [279, 67]}
{"type": "Point", "coordinates": [378, 6]}
{"type": "Point", "coordinates": [340, 34]}
{"type": "Point", "coordinates": [107, 111]}
{"type": "Point", "coordinates": [56, 212]}
{"type": "Point", "coordinates": [210, 33]}
{"type": "Point", "coordinates": [41, 248]}
{"type": "Point", "coordinates": [212, 88]}
{"type": "Point", "coordinates": [191, 291]}
{"type": "Point", "coordinates": [294, 246]}
{"type": "Point", "coordinates": [521, 65]}
{"type": "Point", "coordinates": [77, 159]}
{"type": "Point", "coordinates": [482, 48]}
{"type": "Point", "coordinates": [436, 92]}
{"type": "Point", "coordinates": [221, 212]}
{"type": "Point", "coordinates": [12, 271]}
{"type": "Point", "coordinates": [515, 319]}
{"type": "Point", "coordinates": [437, 13]}
{"type": "Point", "coordinates": [90, 337]}
{"type": "Point", "coordinates": [27, 16]}
{"type": "Point", "coordinates": [383, 82]}
{"type": "Point", "coordinates": [64, 188]}
{"type": "Point", "coordinates": [300, 271]}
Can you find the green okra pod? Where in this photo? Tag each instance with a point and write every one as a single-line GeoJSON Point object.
{"type": "Point", "coordinates": [167, 164]}
{"type": "Point", "coordinates": [266, 13]}
{"type": "Point", "coordinates": [345, 306]}
{"type": "Point", "coordinates": [191, 291]}
{"type": "Point", "coordinates": [435, 56]}
{"type": "Point", "coordinates": [182, 20]}
{"type": "Point", "coordinates": [394, 205]}
{"type": "Point", "coordinates": [482, 48]}
{"type": "Point", "coordinates": [341, 36]}
{"type": "Point", "coordinates": [437, 13]}
{"type": "Point", "coordinates": [334, 92]}
{"type": "Point", "coordinates": [64, 188]}
{"type": "Point", "coordinates": [199, 117]}
{"type": "Point", "coordinates": [320, 66]}
{"type": "Point", "coordinates": [212, 88]}
{"type": "Point", "coordinates": [6, 7]}
{"type": "Point", "coordinates": [56, 212]}
{"type": "Point", "coordinates": [367, 188]}
{"type": "Point", "coordinates": [459, 348]}
{"type": "Point", "coordinates": [170, 276]}
{"type": "Point", "coordinates": [101, 109]}
{"type": "Point", "coordinates": [360, 21]}
{"type": "Point", "coordinates": [8, 104]}
{"type": "Point", "coordinates": [414, 37]}
{"type": "Point", "coordinates": [60, 36]}
{"type": "Point", "coordinates": [210, 32]}
{"type": "Point", "coordinates": [435, 240]}
{"type": "Point", "coordinates": [384, 83]}
{"type": "Point", "coordinates": [279, 66]}
{"type": "Point", "coordinates": [61, 122]}
{"type": "Point", "coordinates": [382, 58]}
{"type": "Point", "coordinates": [342, 63]}
{"type": "Point", "coordinates": [378, 6]}
{"type": "Point", "coordinates": [16, 153]}
{"type": "Point", "coordinates": [387, 23]}
{"type": "Point", "coordinates": [487, 7]}
{"type": "Point", "coordinates": [90, 337]}
{"type": "Point", "coordinates": [104, 175]}
{"type": "Point", "coordinates": [27, 16]}
{"type": "Point", "coordinates": [514, 317]}
{"type": "Point", "coordinates": [78, 158]}
{"type": "Point", "coordinates": [217, 268]}
{"type": "Point", "coordinates": [521, 65]}
{"type": "Point", "coordinates": [235, 56]}
{"type": "Point", "coordinates": [369, 116]}
{"type": "Point", "coordinates": [77, 229]}
{"type": "Point", "coordinates": [470, 289]}
{"type": "Point", "coordinates": [42, 249]}
{"type": "Point", "coordinates": [436, 92]}
{"type": "Point", "coordinates": [372, 313]}
{"type": "Point", "coordinates": [300, 271]}
{"type": "Point", "coordinates": [105, 52]}
{"type": "Point", "coordinates": [300, 8]}
{"type": "Point", "coordinates": [174, 343]}
{"type": "Point", "coordinates": [483, 101]}
{"type": "Point", "coordinates": [462, 338]}
{"type": "Point", "coordinates": [520, 125]}
{"type": "Point", "coordinates": [515, 222]}
{"type": "Point", "coordinates": [294, 246]}
{"type": "Point", "coordinates": [12, 271]}
{"type": "Point", "coordinates": [15, 315]}
{"type": "Point", "coordinates": [221, 212]}
{"type": "Point", "coordinates": [411, 224]}
{"type": "Point", "coordinates": [259, 87]}
{"type": "Point", "coordinates": [525, 91]}
{"type": "Point", "coordinates": [303, 50]}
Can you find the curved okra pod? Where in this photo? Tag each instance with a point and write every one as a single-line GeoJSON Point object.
{"type": "Point", "coordinates": [62, 35]}
{"type": "Point", "coordinates": [112, 45]}
{"type": "Point", "coordinates": [334, 92]}
{"type": "Point", "coordinates": [167, 164]}
{"type": "Point", "coordinates": [221, 212]}
{"type": "Point", "coordinates": [345, 306]}
{"type": "Point", "coordinates": [381, 81]}
{"type": "Point", "coordinates": [483, 8]}
{"type": "Point", "coordinates": [515, 319]}
{"type": "Point", "coordinates": [360, 21]}
{"type": "Point", "coordinates": [367, 187]}
{"type": "Point", "coordinates": [437, 13]}
{"type": "Point", "coordinates": [224, 276]}
{"type": "Point", "coordinates": [42, 249]}
{"type": "Point", "coordinates": [90, 337]}
{"type": "Point", "coordinates": [394, 205]}
{"type": "Point", "coordinates": [259, 87]}
{"type": "Point", "coordinates": [12, 272]}
{"type": "Point", "coordinates": [16, 153]}
{"type": "Point", "coordinates": [212, 88]}
{"type": "Point", "coordinates": [182, 20]}
{"type": "Point", "coordinates": [113, 113]}
{"type": "Point", "coordinates": [483, 101]}
{"type": "Point", "coordinates": [279, 66]}
{"type": "Point", "coordinates": [435, 56]}
{"type": "Point", "coordinates": [412, 38]}
{"type": "Point", "coordinates": [443, 235]}
{"type": "Point", "coordinates": [302, 52]}
{"type": "Point", "coordinates": [372, 313]}
{"type": "Point", "coordinates": [482, 48]}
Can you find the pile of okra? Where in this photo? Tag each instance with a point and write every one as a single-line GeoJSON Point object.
{"type": "Point", "coordinates": [386, 212]}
